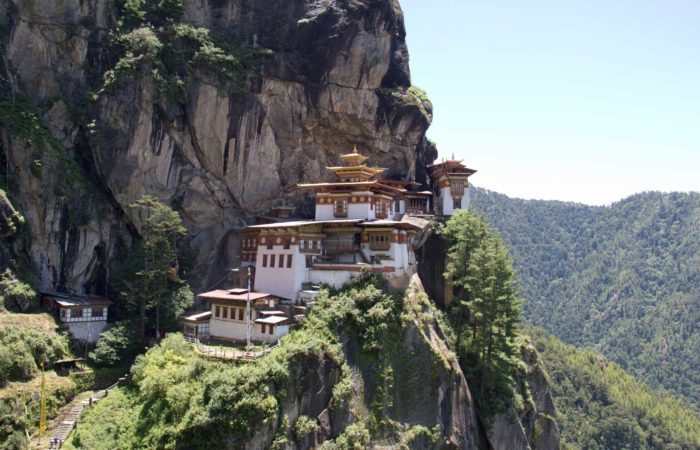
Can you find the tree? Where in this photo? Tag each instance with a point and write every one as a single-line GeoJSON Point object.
{"type": "Point", "coordinates": [486, 310]}
{"type": "Point", "coordinates": [115, 345]}
{"type": "Point", "coordinates": [161, 228]}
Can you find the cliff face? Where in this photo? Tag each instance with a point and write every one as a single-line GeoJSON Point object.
{"type": "Point", "coordinates": [413, 394]}
{"type": "Point", "coordinates": [336, 75]}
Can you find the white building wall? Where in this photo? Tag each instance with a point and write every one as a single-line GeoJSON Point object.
{"type": "Point", "coordinates": [234, 330]}
{"type": "Point", "coordinates": [402, 207]}
{"type": "Point", "coordinates": [278, 331]}
{"type": "Point", "coordinates": [282, 281]}
{"type": "Point", "coordinates": [448, 202]}
{"type": "Point", "coordinates": [87, 331]}
{"type": "Point", "coordinates": [360, 211]}
{"type": "Point", "coordinates": [227, 329]}
{"type": "Point", "coordinates": [334, 278]}
{"type": "Point", "coordinates": [324, 211]}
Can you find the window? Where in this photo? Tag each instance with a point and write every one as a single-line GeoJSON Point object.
{"type": "Point", "coordinates": [225, 312]}
{"type": "Point", "coordinates": [272, 261]}
{"type": "Point", "coordinates": [289, 261]}
{"type": "Point", "coordinates": [379, 242]}
{"type": "Point", "coordinates": [457, 188]}
{"type": "Point", "coordinates": [272, 329]}
{"type": "Point", "coordinates": [264, 261]}
{"type": "Point", "coordinates": [96, 312]}
{"type": "Point", "coordinates": [457, 202]}
{"type": "Point", "coordinates": [286, 244]}
{"type": "Point", "coordinates": [63, 313]}
{"type": "Point", "coordinates": [217, 311]}
{"type": "Point", "coordinates": [240, 314]}
{"type": "Point", "coordinates": [269, 245]}
{"type": "Point", "coordinates": [380, 209]}
{"type": "Point", "coordinates": [315, 245]}
{"type": "Point", "coordinates": [340, 208]}
{"type": "Point", "coordinates": [78, 312]}
{"type": "Point", "coordinates": [281, 262]}
{"type": "Point", "coordinates": [262, 327]}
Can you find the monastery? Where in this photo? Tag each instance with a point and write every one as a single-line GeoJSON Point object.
{"type": "Point", "coordinates": [361, 223]}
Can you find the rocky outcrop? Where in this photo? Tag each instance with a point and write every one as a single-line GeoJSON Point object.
{"type": "Point", "coordinates": [337, 77]}
{"type": "Point", "coordinates": [534, 426]}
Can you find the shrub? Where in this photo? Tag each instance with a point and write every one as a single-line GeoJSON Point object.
{"type": "Point", "coordinates": [23, 349]}
{"type": "Point", "coordinates": [115, 345]}
{"type": "Point", "coordinates": [16, 295]}
{"type": "Point", "coordinates": [304, 426]}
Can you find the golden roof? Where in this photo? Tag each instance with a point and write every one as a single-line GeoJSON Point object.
{"type": "Point", "coordinates": [354, 158]}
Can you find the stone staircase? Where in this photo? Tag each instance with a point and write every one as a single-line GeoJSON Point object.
{"type": "Point", "coordinates": [61, 428]}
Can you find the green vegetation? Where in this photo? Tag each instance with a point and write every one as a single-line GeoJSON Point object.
{"type": "Point", "coordinates": [24, 347]}
{"type": "Point", "coordinates": [304, 426]}
{"type": "Point", "coordinates": [152, 41]}
{"type": "Point", "coordinates": [180, 397]}
{"type": "Point", "coordinates": [111, 423]}
{"type": "Point", "coordinates": [600, 406]}
{"type": "Point", "coordinates": [158, 284]}
{"type": "Point", "coordinates": [20, 403]}
{"type": "Point", "coordinates": [623, 279]}
{"type": "Point", "coordinates": [412, 96]}
{"type": "Point", "coordinates": [16, 295]}
{"type": "Point", "coordinates": [485, 310]}
{"type": "Point", "coordinates": [10, 219]}
{"type": "Point", "coordinates": [27, 340]}
{"type": "Point", "coordinates": [116, 345]}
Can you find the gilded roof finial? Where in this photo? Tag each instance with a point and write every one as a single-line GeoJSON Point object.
{"type": "Point", "coordinates": [354, 149]}
{"type": "Point", "coordinates": [453, 156]}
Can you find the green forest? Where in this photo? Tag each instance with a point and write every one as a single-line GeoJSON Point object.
{"type": "Point", "coordinates": [600, 406]}
{"type": "Point", "coordinates": [623, 280]}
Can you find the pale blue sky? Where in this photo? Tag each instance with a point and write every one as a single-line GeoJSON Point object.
{"type": "Point", "coordinates": [588, 101]}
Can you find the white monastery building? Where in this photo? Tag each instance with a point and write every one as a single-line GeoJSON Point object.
{"type": "Point", "coordinates": [361, 223]}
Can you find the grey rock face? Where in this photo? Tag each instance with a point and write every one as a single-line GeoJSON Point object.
{"type": "Point", "coordinates": [218, 158]}
{"type": "Point", "coordinates": [535, 427]}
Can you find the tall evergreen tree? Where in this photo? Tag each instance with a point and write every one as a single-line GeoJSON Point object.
{"type": "Point", "coordinates": [161, 228]}
{"type": "Point", "coordinates": [486, 308]}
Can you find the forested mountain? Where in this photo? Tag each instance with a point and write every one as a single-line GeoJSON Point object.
{"type": "Point", "coordinates": [599, 406]}
{"type": "Point", "coordinates": [622, 279]}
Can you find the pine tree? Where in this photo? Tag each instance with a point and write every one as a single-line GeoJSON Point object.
{"type": "Point", "coordinates": [161, 228]}
{"type": "Point", "coordinates": [486, 309]}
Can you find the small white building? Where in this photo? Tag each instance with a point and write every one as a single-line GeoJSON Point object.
{"type": "Point", "coordinates": [196, 325]}
{"type": "Point", "coordinates": [85, 316]}
{"type": "Point", "coordinates": [451, 186]}
{"type": "Point", "coordinates": [228, 321]}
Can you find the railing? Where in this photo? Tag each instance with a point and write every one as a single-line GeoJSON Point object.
{"type": "Point", "coordinates": [65, 426]}
{"type": "Point", "coordinates": [340, 246]}
{"type": "Point", "coordinates": [228, 352]}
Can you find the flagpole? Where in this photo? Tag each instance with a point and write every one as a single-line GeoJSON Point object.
{"type": "Point", "coordinates": [42, 410]}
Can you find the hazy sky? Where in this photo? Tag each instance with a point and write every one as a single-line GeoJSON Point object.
{"type": "Point", "coordinates": [588, 101]}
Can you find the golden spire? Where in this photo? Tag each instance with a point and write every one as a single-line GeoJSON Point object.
{"type": "Point", "coordinates": [354, 158]}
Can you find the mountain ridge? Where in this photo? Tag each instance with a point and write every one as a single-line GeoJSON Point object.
{"type": "Point", "coordinates": [612, 278]}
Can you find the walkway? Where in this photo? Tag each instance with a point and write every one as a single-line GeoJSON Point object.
{"type": "Point", "coordinates": [229, 352]}
{"type": "Point", "coordinates": [57, 432]}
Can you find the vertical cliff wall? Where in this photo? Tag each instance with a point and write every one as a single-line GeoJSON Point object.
{"type": "Point", "coordinates": [76, 153]}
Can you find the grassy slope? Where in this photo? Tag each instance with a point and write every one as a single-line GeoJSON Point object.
{"type": "Point", "coordinates": [600, 406]}
{"type": "Point", "coordinates": [26, 339]}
